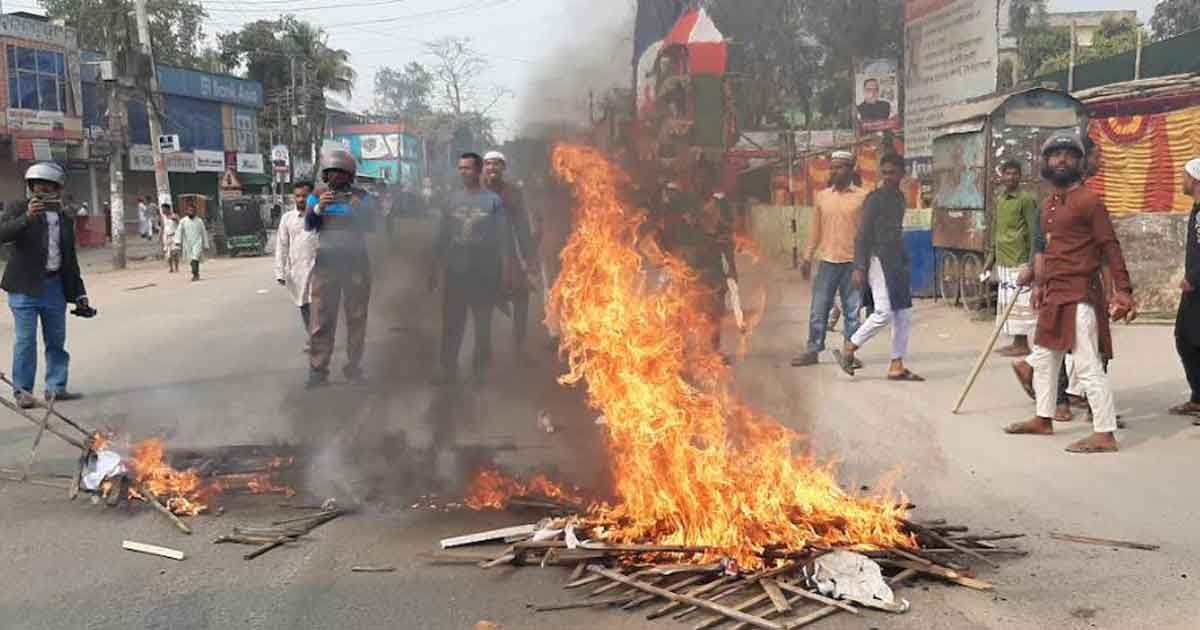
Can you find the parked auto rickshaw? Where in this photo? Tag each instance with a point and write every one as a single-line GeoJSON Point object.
{"type": "Point", "coordinates": [968, 149]}
{"type": "Point", "coordinates": [244, 227]}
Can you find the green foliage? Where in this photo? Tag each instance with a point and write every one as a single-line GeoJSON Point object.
{"type": "Point", "coordinates": [1175, 17]}
{"type": "Point", "coordinates": [405, 92]}
{"type": "Point", "coordinates": [1038, 44]}
{"type": "Point", "coordinates": [1025, 14]}
{"type": "Point", "coordinates": [176, 26]}
{"type": "Point", "coordinates": [1113, 38]}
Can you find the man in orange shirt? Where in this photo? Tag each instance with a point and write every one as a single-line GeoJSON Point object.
{"type": "Point", "coordinates": [836, 215]}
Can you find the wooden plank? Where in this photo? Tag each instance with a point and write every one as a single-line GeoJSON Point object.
{"type": "Point", "coordinates": [584, 581]}
{"type": "Point", "coordinates": [508, 556]}
{"type": "Point", "coordinates": [735, 588]}
{"type": "Point", "coordinates": [699, 590]}
{"type": "Point", "coordinates": [495, 534]}
{"type": "Point", "coordinates": [742, 606]}
{"type": "Point", "coordinates": [644, 599]}
{"type": "Point", "coordinates": [612, 585]}
{"type": "Point", "coordinates": [817, 597]}
{"type": "Point", "coordinates": [925, 531]}
{"type": "Point", "coordinates": [687, 599]}
{"type": "Point", "coordinates": [372, 569]}
{"type": "Point", "coordinates": [597, 603]}
{"type": "Point", "coordinates": [792, 601]}
{"type": "Point", "coordinates": [1088, 540]}
{"type": "Point", "coordinates": [153, 550]}
{"type": "Point", "coordinates": [771, 588]}
{"type": "Point", "coordinates": [577, 572]}
{"type": "Point", "coordinates": [940, 571]}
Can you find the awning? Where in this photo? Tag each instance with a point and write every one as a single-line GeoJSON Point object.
{"type": "Point", "coordinates": [707, 51]}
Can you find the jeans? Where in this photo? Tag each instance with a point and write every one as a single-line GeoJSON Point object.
{"type": "Point", "coordinates": [51, 307]}
{"type": "Point", "coordinates": [463, 294]}
{"type": "Point", "coordinates": [832, 278]}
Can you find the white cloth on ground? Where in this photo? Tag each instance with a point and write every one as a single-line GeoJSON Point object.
{"type": "Point", "coordinates": [1023, 319]}
{"type": "Point", "coordinates": [192, 237]}
{"type": "Point", "coordinates": [1088, 368]}
{"type": "Point", "coordinates": [295, 256]}
{"type": "Point", "coordinates": [883, 314]}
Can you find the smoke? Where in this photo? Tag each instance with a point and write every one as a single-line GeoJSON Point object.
{"type": "Point", "coordinates": [591, 56]}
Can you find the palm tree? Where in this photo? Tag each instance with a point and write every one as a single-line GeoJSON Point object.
{"type": "Point", "coordinates": [324, 70]}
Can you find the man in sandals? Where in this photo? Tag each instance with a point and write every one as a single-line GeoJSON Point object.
{"type": "Point", "coordinates": [1073, 314]}
{"type": "Point", "coordinates": [1187, 323]}
{"type": "Point", "coordinates": [881, 260]}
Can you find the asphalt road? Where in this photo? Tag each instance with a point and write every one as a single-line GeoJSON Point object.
{"type": "Point", "coordinates": [218, 362]}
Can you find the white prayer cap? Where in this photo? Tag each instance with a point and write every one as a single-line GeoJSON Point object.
{"type": "Point", "coordinates": [495, 155]}
{"type": "Point", "coordinates": [1193, 168]}
{"type": "Point", "coordinates": [842, 156]}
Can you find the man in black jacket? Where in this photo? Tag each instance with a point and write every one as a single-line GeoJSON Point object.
{"type": "Point", "coordinates": [1187, 323]}
{"type": "Point", "coordinates": [41, 278]}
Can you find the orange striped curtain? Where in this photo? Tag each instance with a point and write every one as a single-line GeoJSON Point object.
{"type": "Point", "coordinates": [1142, 158]}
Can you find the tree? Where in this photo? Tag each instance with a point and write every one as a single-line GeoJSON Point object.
{"type": "Point", "coordinates": [1113, 38]}
{"type": "Point", "coordinates": [1024, 15]}
{"type": "Point", "coordinates": [405, 92]}
{"type": "Point", "coordinates": [456, 69]}
{"type": "Point", "coordinates": [1039, 44]}
{"type": "Point", "coordinates": [176, 26]}
{"type": "Point", "coordinates": [1175, 17]}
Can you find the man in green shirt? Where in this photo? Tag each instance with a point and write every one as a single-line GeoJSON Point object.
{"type": "Point", "coordinates": [1013, 228]}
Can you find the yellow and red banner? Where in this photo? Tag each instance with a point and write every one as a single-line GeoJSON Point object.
{"type": "Point", "coordinates": [1142, 158]}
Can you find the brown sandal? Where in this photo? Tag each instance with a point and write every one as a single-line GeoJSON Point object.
{"type": "Point", "coordinates": [1186, 409]}
{"type": "Point", "coordinates": [906, 375]}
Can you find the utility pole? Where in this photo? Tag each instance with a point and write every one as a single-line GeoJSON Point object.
{"type": "Point", "coordinates": [1137, 60]}
{"type": "Point", "coordinates": [116, 137]}
{"type": "Point", "coordinates": [161, 180]}
{"type": "Point", "coordinates": [1071, 62]}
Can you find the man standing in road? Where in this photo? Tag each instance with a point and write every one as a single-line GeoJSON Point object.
{"type": "Point", "coordinates": [1187, 322]}
{"type": "Point", "coordinates": [342, 215]}
{"type": "Point", "coordinates": [192, 239]}
{"type": "Point", "coordinates": [1011, 247]}
{"type": "Point", "coordinates": [836, 217]}
{"type": "Point", "coordinates": [467, 253]}
{"type": "Point", "coordinates": [520, 247]}
{"type": "Point", "coordinates": [1073, 313]}
{"type": "Point", "coordinates": [41, 278]}
{"type": "Point", "coordinates": [881, 261]}
{"type": "Point", "coordinates": [145, 224]}
{"type": "Point", "coordinates": [296, 254]}
{"type": "Point", "coordinates": [170, 250]}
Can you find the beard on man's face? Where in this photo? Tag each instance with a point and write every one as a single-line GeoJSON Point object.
{"type": "Point", "coordinates": [1062, 177]}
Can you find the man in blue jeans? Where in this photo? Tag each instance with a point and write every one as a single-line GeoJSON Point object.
{"type": "Point", "coordinates": [41, 278]}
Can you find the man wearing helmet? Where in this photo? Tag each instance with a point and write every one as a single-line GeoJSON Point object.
{"type": "Point", "coordinates": [41, 278]}
{"type": "Point", "coordinates": [342, 214]}
{"type": "Point", "coordinates": [1074, 313]}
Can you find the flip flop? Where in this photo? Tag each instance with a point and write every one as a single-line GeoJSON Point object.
{"type": "Point", "coordinates": [846, 366]}
{"type": "Point", "coordinates": [1091, 450]}
{"type": "Point", "coordinates": [1186, 409]}
{"type": "Point", "coordinates": [906, 375]}
{"type": "Point", "coordinates": [1022, 428]}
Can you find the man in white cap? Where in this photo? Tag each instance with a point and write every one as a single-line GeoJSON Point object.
{"type": "Point", "coordinates": [836, 217]}
{"type": "Point", "coordinates": [1187, 322]}
{"type": "Point", "coordinates": [520, 248]}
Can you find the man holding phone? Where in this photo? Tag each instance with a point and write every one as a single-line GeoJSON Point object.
{"type": "Point", "coordinates": [41, 278]}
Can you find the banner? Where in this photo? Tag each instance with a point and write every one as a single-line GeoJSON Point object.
{"type": "Point", "coordinates": [950, 49]}
{"type": "Point", "coordinates": [280, 158]}
{"type": "Point", "coordinates": [876, 96]}
{"type": "Point", "coordinates": [1142, 158]}
{"type": "Point", "coordinates": [209, 161]}
{"type": "Point", "coordinates": [250, 163]}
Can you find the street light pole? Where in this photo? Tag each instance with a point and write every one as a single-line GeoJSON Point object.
{"type": "Point", "coordinates": [162, 180]}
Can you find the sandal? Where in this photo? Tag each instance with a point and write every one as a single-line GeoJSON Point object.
{"type": "Point", "coordinates": [847, 366]}
{"type": "Point", "coordinates": [1186, 409]}
{"type": "Point", "coordinates": [906, 375]}
{"type": "Point", "coordinates": [1090, 449]}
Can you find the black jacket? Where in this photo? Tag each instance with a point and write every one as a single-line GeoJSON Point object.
{"type": "Point", "coordinates": [882, 235]}
{"type": "Point", "coordinates": [1187, 322]}
{"type": "Point", "coordinates": [26, 270]}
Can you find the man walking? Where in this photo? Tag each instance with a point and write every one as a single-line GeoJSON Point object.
{"type": "Point", "coordinates": [170, 250]}
{"type": "Point", "coordinates": [1073, 312]}
{"type": "Point", "coordinates": [1011, 247]}
{"type": "Point", "coordinates": [192, 239]}
{"type": "Point", "coordinates": [145, 224]}
{"type": "Point", "coordinates": [41, 278]}
{"type": "Point", "coordinates": [341, 215]}
{"type": "Point", "coordinates": [520, 248]}
{"type": "Point", "coordinates": [296, 254]}
{"type": "Point", "coordinates": [467, 254]}
{"type": "Point", "coordinates": [881, 261]}
{"type": "Point", "coordinates": [1187, 322]}
{"type": "Point", "coordinates": [836, 217]}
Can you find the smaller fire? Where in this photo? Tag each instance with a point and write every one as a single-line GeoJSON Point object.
{"type": "Point", "coordinates": [182, 492]}
{"type": "Point", "coordinates": [492, 490]}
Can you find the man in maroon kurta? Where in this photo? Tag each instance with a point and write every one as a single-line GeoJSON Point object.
{"type": "Point", "coordinates": [1073, 314]}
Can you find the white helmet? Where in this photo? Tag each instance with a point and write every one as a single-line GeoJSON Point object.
{"type": "Point", "coordinates": [46, 172]}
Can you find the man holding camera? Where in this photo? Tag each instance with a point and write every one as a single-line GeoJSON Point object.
{"type": "Point", "coordinates": [41, 278]}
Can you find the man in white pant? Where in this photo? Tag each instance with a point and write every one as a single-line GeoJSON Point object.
{"type": "Point", "coordinates": [881, 260]}
{"type": "Point", "coordinates": [1073, 314]}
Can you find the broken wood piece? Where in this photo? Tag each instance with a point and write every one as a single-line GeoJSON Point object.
{"type": "Point", "coordinates": [13, 407]}
{"type": "Point", "coordinates": [495, 534]}
{"type": "Point", "coordinates": [940, 571]}
{"type": "Point", "coordinates": [925, 531]}
{"type": "Point", "coordinates": [747, 604]}
{"type": "Point", "coordinates": [509, 555]}
{"type": "Point", "coordinates": [598, 603]}
{"type": "Point", "coordinates": [917, 557]}
{"type": "Point", "coordinates": [153, 550]}
{"type": "Point", "coordinates": [152, 499]}
{"type": "Point", "coordinates": [372, 569]}
{"type": "Point", "coordinates": [737, 587]}
{"type": "Point", "coordinates": [612, 585]}
{"type": "Point", "coordinates": [688, 599]}
{"type": "Point", "coordinates": [278, 542]}
{"type": "Point", "coordinates": [644, 599]}
{"type": "Point", "coordinates": [773, 591]}
{"type": "Point", "coordinates": [817, 597]}
{"type": "Point", "coordinates": [1088, 540]}
{"type": "Point", "coordinates": [447, 557]}
{"type": "Point", "coordinates": [584, 581]}
{"type": "Point", "coordinates": [741, 625]}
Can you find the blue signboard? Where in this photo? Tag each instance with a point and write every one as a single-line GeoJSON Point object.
{"type": "Point", "coordinates": [210, 87]}
{"type": "Point", "coordinates": [198, 123]}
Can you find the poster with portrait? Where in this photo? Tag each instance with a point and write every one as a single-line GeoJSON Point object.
{"type": "Point", "coordinates": [876, 96]}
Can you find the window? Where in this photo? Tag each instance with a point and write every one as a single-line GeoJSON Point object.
{"type": "Point", "coordinates": [37, 79]}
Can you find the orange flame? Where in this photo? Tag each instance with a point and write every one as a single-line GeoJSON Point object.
{"type": "Point", "coordinates": [492, 490]}
{"type": "Point", "coordinates": [182, 492]}
{"type": "Point", "coordinates": [692, 464]}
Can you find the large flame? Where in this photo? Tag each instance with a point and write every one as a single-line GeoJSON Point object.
{"type": "Point", "coordinates": [181, 491]}
{"type": "Point", "coordinates": [692, 464]}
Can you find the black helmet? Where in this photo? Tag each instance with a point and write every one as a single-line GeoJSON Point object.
{"type": "Point", "coordinates": [1063, 141]}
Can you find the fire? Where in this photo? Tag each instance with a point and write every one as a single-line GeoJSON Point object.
{"type": "Point", "coordinates": [182, 492]}
{"type": "Point", "coordinates": [492, 490]}
{"type": "Point", "coordinates": [692, 464]}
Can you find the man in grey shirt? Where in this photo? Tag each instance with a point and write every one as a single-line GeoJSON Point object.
{"type": "Point", "coordinates": [467, 260]}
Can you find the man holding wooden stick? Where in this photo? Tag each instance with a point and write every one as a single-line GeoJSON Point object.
{"type": "Point", "coordinates": [1073, 315]}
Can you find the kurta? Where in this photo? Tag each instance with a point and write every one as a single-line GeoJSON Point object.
{"type": "Point", "coordinates": [170, 226]}
{"type": "Point", "coordinates": [1187, 322]}
{"type": "Point", "coordinates": [1013, 228]}
{"type": "Point", "coordinates": [882, 235]}
{"type": "Point", "coordinates": [295, 255]}
{"type": "Point", "coordinates": [1079, 237]}
{"type": "Point", "coordinates": [833, 228]}
{"type": "Point", "coordinates": [192, 238]}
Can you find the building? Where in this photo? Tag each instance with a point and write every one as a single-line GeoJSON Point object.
{"type": "Point", "coordinates": [386, 152]}
{"type": "Point", "coordinates": [1087, 23]}
{"type": "Point", "coordinates": [41, 117]}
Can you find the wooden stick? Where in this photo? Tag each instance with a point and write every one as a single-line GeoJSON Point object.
{"type": "Point", "coordinates": [278, 542]}
{"type": "Point", "coordinates": [495, 534]}
{"type": "Point", "coordinates": [152, 499]}
{"type": "Point", "coordinates": [986, 352]}
{"type": "Point", "coordinates": [305, 518]}
{"type": "Point", "coordinates": [741, 625]}
{"type": "Point", "coordinates": [615, 601]}
{"type": "Point", "coordinates": [940, 571]}
{"type": "Point", "coordinates": [674, 587]}
{"type": "Point", "coordinates": [584, 581]}
{"type": "Point", "coordinates": [817, 597]}
{"type": "Point", "coordinates": [577, 572]}
{"type": "Point", "coordinates": [1088, 540]}
{"type": "Point", "coordinates": [773, 590]}
{"type": "Point", "coordinates": [921, 529]}
{"type": "Point", "coordinates": [37, 439]}
{"type": "Point", "coordinates": [687, 599]}
{"type": "Point", "coordinates": [13, 407]}
{"type": "Point", "coordinates": [611, 585]}
{"type": "Point", "coordinates": [153, 550]}
{"type": "Point", "coordinates": [75, 425]}
{"type": "Point", "coordinates": [508, 556]}
{"type": "Point", "coordinates": [372, 569]}
{"type": "Point", "coordinates": [722, 594]}
{"type": "Point", "coordinates": [742, 606]}
{"type": "Point", "coordinates": [916, 557]}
